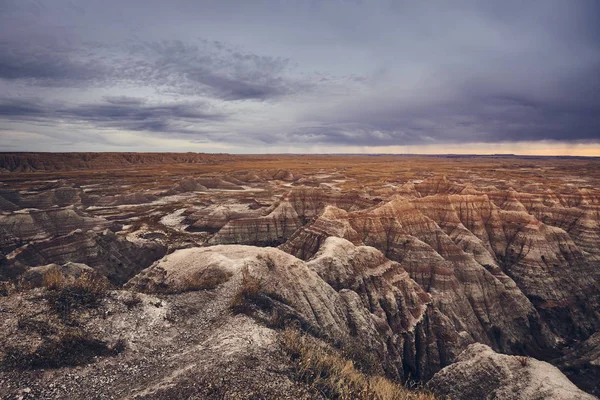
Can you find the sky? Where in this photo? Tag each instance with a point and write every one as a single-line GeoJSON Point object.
{"type": "Point", "coordinates": [329, 76]}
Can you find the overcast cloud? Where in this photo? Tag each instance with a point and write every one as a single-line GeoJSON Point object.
{"type": "Point", "coordinates": [314, 76]}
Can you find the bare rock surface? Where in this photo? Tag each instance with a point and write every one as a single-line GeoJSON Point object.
{"type": "Point", "coordinates": [113, 256]}
{"type": "Point", "coordinates": [28, 225]}
{"type": "Point", "coordinates": [178, 346]}
{"type": "Point", "coordinates": [481, 373]}
{"type": "Point", "coordinates": [347, 294]}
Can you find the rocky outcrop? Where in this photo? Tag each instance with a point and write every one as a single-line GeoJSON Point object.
{"type": "Point", "coordinates": [309, 202]}
{"type": "Point", "coordinates": [185, 185]}
{"type": "Point", "coordinates": [57, 197]}
{"type": "Point", "coordinates": [459, 272]}
{"type": "Point", "coordinates": [438, 184]}
{"type": "Point", "coordinates": [217, 183]}
{"type": "Point", "coordinates": [549, 268]}
{"type": "Point", "coordinates": [522, 277]}
{"type": "Point", "coordinates": [109, 254]}
{"type": "Point", "coordinates": [481, 373]}
{"type": "Point", "coordinates": [24, 226]}
{"type": "Point", "coordinates": [34, 277]}
{"type": "Point", "coordinates": [306, 242]}
{"type": "Point", "coordinates": [214, 216]}
{"type": "Point", "coordinates": [350, 295]}
{"type": "Point", "coordinates": [118, 199]}
{"type": "Point", "coordinates": [284, 175]}
{"type": "Point", "coordinates": [41, 198]}
{"type": "Point", "coordinates": [271, 229]}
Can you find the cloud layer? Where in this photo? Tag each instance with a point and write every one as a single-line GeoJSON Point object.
{"type": "Point", "coordinates": [298, 76]}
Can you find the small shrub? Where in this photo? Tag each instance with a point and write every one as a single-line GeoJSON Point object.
{"type": "Point", "coordinates": [53, 279]}
{"type": "Point", "coordinates": [87, 291]}
{"type": "Point", "coordinates": [209, 279]}
{"type": "Point", "coordinates": [248, 294]}
{"type": "Point", "coordinates": [523, 360]}
{"type": "Point", "coordinates": [119, 346]}
{"type": "Point", "coordinates": [364, 361]}
{"type": "Point", "coordinates": [7, 288]}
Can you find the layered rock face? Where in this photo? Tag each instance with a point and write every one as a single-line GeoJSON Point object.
{"type": "Point", "coordinates": [500, 274]}
{"type": "Point", "coordinates": [112, 256]}
{"type": "Point", "coordinates": [350, 295]}
{"type": "Point", "coordinates": [481, 373]}
{"type": "Point", "coordinates": [213, 216]}
{"type": "Point", "coordinates": [272, 229]}
{"type": "Point", "coordinates": [24, 226]}
{"type": "Point", "coordinates": [186, 185]}
{"type": "Point", "coordinates": [62, 196]}
{"type": "Point", "coordinates": [309, 203]}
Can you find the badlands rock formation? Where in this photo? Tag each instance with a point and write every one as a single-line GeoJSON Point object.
{"type": "Point", "coordinates": [28, 162]}
{"type": "Point", "coordinates": [504, 277]}
{"type": "Point", "coordinates": [347, 294]}
{"type": "Point", "coordinates": [11, 200]}
{"type": "Point", "coordinates": [28, 225]}
{"type": "Point", "coordinates": [411, 274]}
{"type": "Point", "coordinates": [268, 230]}
{"type": "Point", "coordinates": [113, 256]}
{"type": "Point", "coordinates": [480, 373]}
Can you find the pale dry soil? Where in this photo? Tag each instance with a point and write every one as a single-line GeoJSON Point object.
{"type": "Point", "coordinates": [178, 346]}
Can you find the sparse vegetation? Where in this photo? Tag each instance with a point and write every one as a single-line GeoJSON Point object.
{"type": "Point", "coordinates": [64, 296]}
{"type": "Point", "coordinates": [53, 279]}
{"type": "Point", "coordinates": [247, 295]}
{"type": "Point", "coordinates": [523, 360]}
{"type": "Point", "coordinates": [62, 341]}
{"type": "Point", "coordinates": [70, 348]}
{"type": "Point", "coordinates": [32, 324]}
{"type": "Point", "coordinates": [334, 376]}
{"type": "Point", "coordinates": [209, 279]}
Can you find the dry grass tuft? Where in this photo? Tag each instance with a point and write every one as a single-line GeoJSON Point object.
{"type": "Point", "coordinates": [65, 296]}
{"type": "Point", "coordinates": [63, 341]}
{"type": "Point", "coordinates": [335, 377]}
{"type": "Point", "coordinates": [248, 294]}
{"type": "Point", "coordinates": [523, 360]}
{"type": "Point", "coordinates": [53, 279]}
{"type": "Point", "coordinates": [209, 279]}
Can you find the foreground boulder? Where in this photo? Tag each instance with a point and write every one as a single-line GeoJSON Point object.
{"type": "Point", "coordinates": [481, 373]}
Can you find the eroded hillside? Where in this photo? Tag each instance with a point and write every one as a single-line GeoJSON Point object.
{"type": "Point", "coordinates": [179, 275]}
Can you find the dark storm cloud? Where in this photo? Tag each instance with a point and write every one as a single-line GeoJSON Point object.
{"type": "Point", "coordinates": [483, 119]}
{"type": "Point", "coordinates": [125, 113]}
{"type": "Point", "coordinates": [346, 73]}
